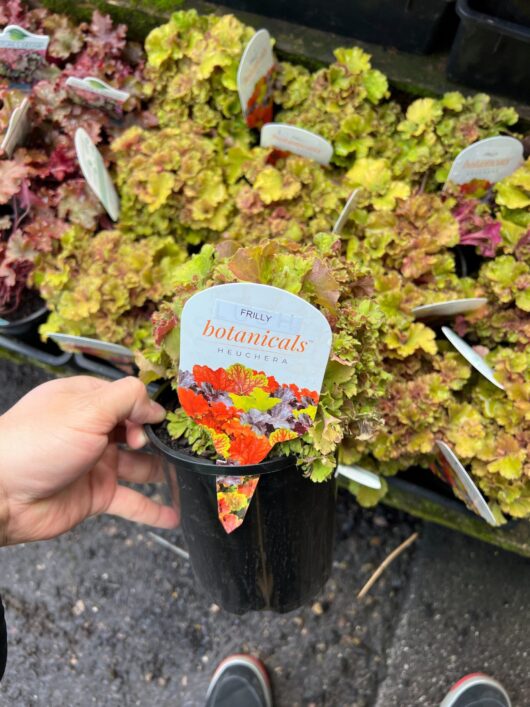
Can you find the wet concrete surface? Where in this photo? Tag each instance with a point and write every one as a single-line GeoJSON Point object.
{"type": "Point", "coordinates": [467, 610]}
{"type": "Point", "coordinates": [106, 616]}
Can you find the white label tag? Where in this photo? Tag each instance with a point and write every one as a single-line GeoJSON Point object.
{"type": "Point", "coordinates": [21, 53]}
{"type": "Point", "coordinates": [471, 356]}
{"type": "Point", "coordinates": [491, 159]}
{"type": "Point", "coordinates": [346, 211]}
{"type": "Point", "coordinates": [255, 79]}
{"type": "Point", "coordinates": [96, 92]}
{"type": "Point", "coordinates": [17, 129]}
{"type": "Point", "coordinates": [359, 475]}
{"type": "Point", "coordinates": [4, 322]}
{"type": "Point", "coordinates": [289, 138]}
{"type": "Point", "coordinates": [450, 308]}
{"type": "Point", "coordinates": [94, 347]}
{"type": "Point", "coordinates": [252, 361]}
{"type": "Point", "coordinates": [96, 174]}
{"type": "Point", "coordinates": [457, 477]}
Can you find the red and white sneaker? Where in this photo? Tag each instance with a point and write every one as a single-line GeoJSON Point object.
{"type": "Point", "coordinates": [477, 690]}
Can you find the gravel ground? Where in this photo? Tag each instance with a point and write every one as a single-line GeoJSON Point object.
{"type": "Point", "coordinates": [106, 616]}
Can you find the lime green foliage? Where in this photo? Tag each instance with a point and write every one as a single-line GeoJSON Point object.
{"type": "Point", "coordinates": [171, 182]}
{"type": "Point", "coordinates": [106, 285]}
{"type": "Point", "coordinates": [434, 131]}
{"type": "Point", "coordinates": [294, 198]}
{"type": "Point", "coordinates": [490, 431]}
{"type": "Point", "coordinates": [512, 195]}
{"type": "Point", "coordinates": [192, 69]}
{"type": "Point", "coordinates": [340, 103]}
{"type": "Point", "coordinates": [415, 412]}
{"type": "Point", "coordinates": [354, 380]}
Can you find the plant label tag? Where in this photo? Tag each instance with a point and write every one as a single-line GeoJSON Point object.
{"type": "Point", "coordinates": [289, 138]}
{"type": "Point", "coordinates": [489, 160]}
{"type": "Point", "coordinates": [449, 308]}
{"type": "Point", "coordinates": [359, 475]}
{"type": "Point", "coordinates": [96, 93]}
{"type": "Point", "coordinates": [471, 356]}
{"type": "Point", "coordinates": [17, 128]}
{"type": "Point", "coordinates": [255, 79]}
{"type": "Point", "coordinates": [21, 53]}
{"type": "Point", "coordinates": [447, 467]}
{"type": "Point", "coordinates": [3, 322]}
{"type": "Point", "coordinates": [252, 361]}
{"type": "Point", "coordinates": [119, 355]}
{"type": "Point", "coordinates": [346, 211]}
{"type": "Point", "coordinates": [96, 174]}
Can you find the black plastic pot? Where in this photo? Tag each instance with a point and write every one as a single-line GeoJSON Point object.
{"type": "Point", "coordinates": [491, 53]}
{"type": "Point", "coordinates": [26, 326]}
{"type": "Point", "coordinates": [517, 11]}
{"type": "Point", "coordinates": [418, 26]}
{"type": "Point", "coordinates": [281, 555]}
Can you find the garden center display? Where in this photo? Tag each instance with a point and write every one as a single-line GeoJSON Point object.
{"type": "Point", "coordinates": [416, 254]}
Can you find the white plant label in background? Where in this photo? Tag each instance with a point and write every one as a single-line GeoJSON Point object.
{"type": "Point", "coordinates": [359, 475]}
{"type": "Point", "coordinates": [96, 174]}
{"type": "Point", "coordinates": [449, 308]}
{"type": "Point", "coordinates": [289, 138]}
{"type": "Point", "coordinates": [450, 469]}
{"type": "Point", "coordinates": [471, 356]}
{"type": "Point", "coordinates": [17, 129]}
{"type": "Point", "coordinates": [346, 211]}
{"type": "Point", "coordinates": [3, 322]}
{"type": "Point", "coordinates": [96, 92]}
{"type": "Point", "coordinates": [255, 79]}
{"type": "Point", "coordinates": [21, 53]}
{"type": "Point", "coordinates": [94, 347]}
{"type": "Point", "coordinates": [491, 159]}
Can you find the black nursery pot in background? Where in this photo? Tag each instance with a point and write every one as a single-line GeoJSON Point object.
{"type": "Point", "coordinates": [26, 325]}
{"type": "Point", "coordinates": [491, 50]}
{"type": "Point", "coordinates": [280, 556]}
{"type": "Point", "coordinates": [418, 26]}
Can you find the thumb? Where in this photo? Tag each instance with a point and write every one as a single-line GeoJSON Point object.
{"type": "Point", "coordinates": [124, 399]}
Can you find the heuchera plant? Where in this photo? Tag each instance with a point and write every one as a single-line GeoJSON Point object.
{"type": "Point", "coordinates": [42, 187]}
{"type": "Point", "coordinates": [106, 285]}
{"type": "Point", "coordinates": [490, 431]}
{"type": "Point", "coordinates": [354, 379]}
{"type": "Point", "coordinates": [192, 63]}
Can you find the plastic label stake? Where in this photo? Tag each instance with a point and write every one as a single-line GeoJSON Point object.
{"type": "Point", "coordinates": [96, 93]}
{"type": "Point", "coordinates": [489, 160]}
{"type": "Point", "coordinates": [21, 53]}
{"type": "Point", "coordinates": [96, 174]}
{"type": "Point", "coordinates": [252, 361]}
{"type": "Point", "coordinates": [346, 211]}
{"type": "Point", "coordinates": [471, 356]}
{"type": "Point", "coordinates": [298, 141]}
{"type": "Point", "coordinates": [115, 353]}
{"type": "Point", "coordinates": [448, 467]}
{"type": "Point", "coordinates": [448, 308]}
{"type": "Point", "coordinates": [17, 128]}
{"type": "Point", "coordinates": [255, 80]}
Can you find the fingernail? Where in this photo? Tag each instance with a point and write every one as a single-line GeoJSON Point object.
{"type": "Point", "coordinates": [143, 439]}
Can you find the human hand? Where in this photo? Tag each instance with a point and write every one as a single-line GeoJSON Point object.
{"type": "Point", "coordinates": [60, 462]}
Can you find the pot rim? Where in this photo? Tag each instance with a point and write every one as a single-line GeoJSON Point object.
{"type": "Point", "coordinates": [200, 465]}
{"type": "Point", "coordinates": [30, 319]}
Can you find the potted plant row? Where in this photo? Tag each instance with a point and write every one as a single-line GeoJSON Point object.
{"type": "Point", "coordinates": [202, 204]}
